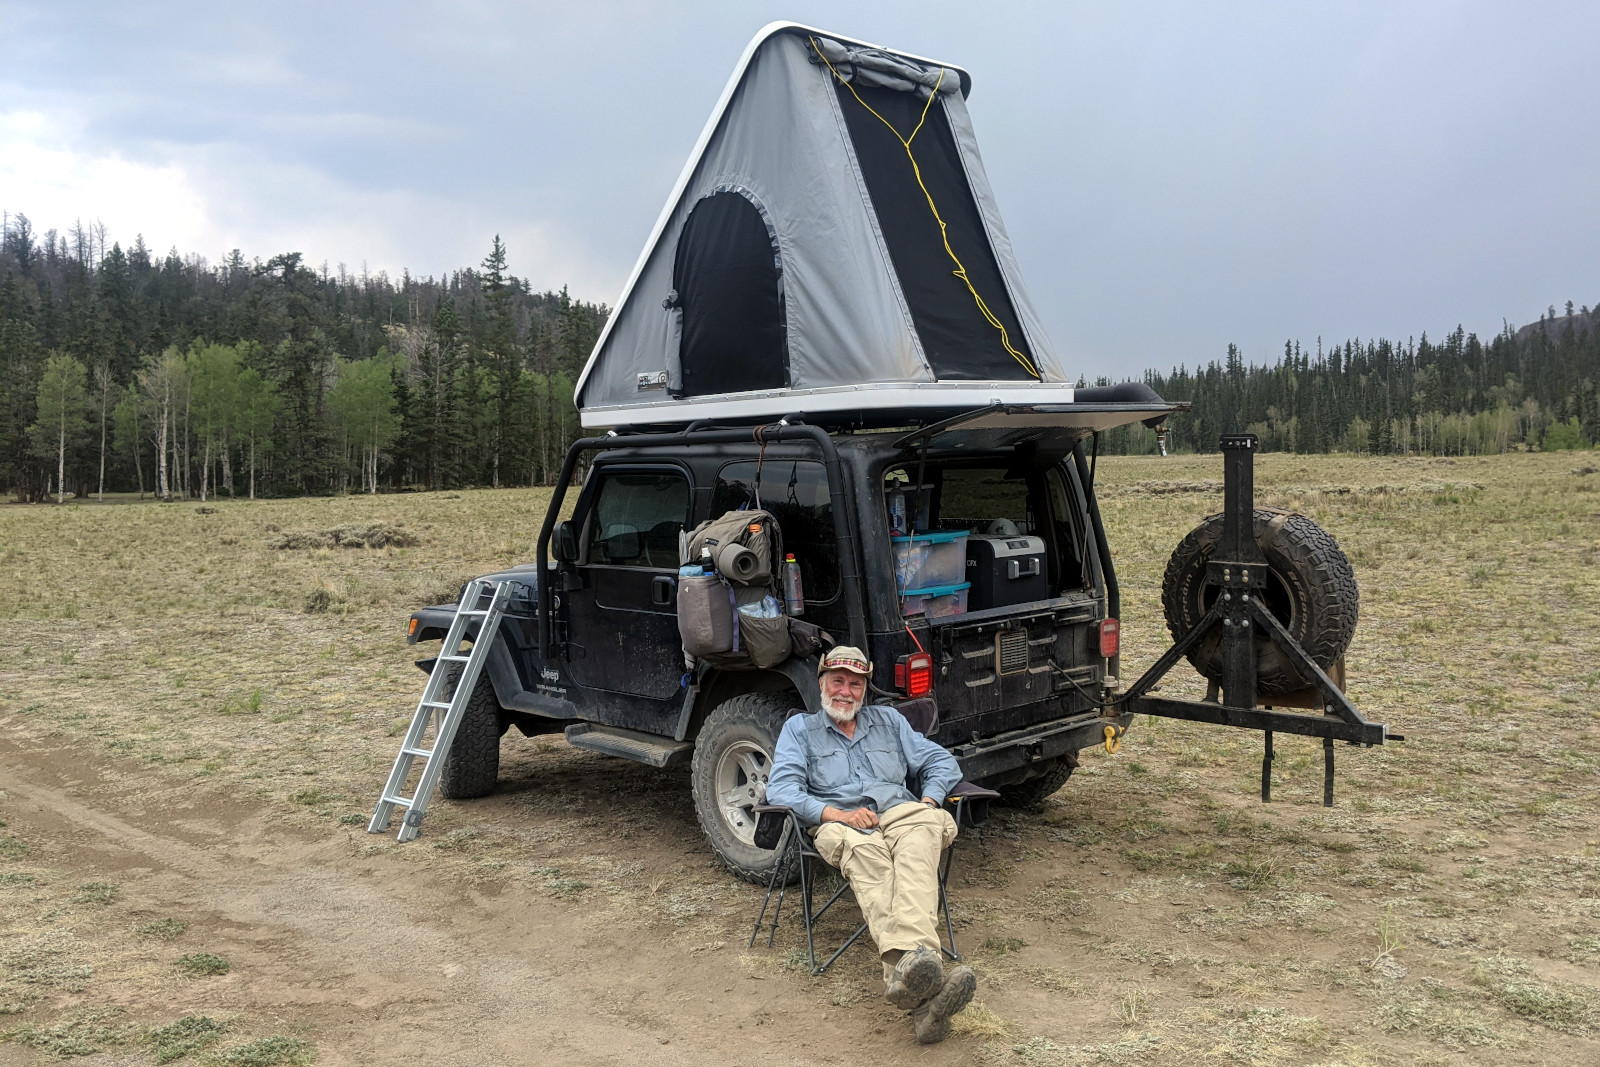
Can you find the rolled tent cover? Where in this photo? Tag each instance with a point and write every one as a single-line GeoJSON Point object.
{"type": "Point", "coordinates": [832, 244]}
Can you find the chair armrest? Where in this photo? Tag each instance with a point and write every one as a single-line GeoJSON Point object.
{"type": "Point", "coordinates": [969, 804]}
{"type": "Point", "coordinates": [770, 822]}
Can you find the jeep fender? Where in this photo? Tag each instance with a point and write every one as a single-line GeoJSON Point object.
{"type": "Point", "coordinates": [714, 686]}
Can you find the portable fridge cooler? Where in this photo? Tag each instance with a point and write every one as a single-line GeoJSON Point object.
{"type": "Point", "coordinates": [1005, 570]}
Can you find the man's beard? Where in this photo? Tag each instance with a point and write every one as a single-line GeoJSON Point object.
{"type": "Point", "coordinates": [841, 715]}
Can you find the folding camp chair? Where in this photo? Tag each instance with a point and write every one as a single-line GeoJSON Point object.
{"type": "Point", "coordinates": [779, 827]}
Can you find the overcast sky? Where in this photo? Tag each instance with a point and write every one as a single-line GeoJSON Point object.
{"type": "Point", "coordinates": [1174, 177]}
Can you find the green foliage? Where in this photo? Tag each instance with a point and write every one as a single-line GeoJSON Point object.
{"type": "Point", "coordinates": [96, 893]}
{"type": "Point", "coordinates": [189, 1034]}
{"type": "Point", "coordinates": [1564, 436]}
{"type": "Point", "coordinates": [202, 964]}
{"type": "Point", "coordinates": [270, 1052]}
{"type": "Point", "coordinates": [165, 929]}
{"type": "Point", "coordinates": [270, 377]}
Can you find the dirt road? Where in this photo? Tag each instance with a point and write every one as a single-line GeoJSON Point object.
{"type": "Point", "coordinates": [386, 962]}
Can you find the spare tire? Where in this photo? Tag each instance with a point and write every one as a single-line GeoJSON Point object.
{"type": "Point", "coordinates": [1311, 590]}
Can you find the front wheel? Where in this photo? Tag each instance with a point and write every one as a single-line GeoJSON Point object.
{"type": "Point", "coordinates": [732, 761]}
{"type": "Point", "coordinates": [472, 765]}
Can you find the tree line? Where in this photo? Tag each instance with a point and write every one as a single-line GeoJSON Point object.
{"type": "Point", "coordinates": [1533, 388]}
{"type": "Point", "coordinates": [124, 371]}
{"type": "Point", "coordinates": [121, 370]}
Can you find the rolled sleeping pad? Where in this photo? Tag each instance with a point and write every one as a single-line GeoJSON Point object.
{"type": "Point", "coordinates": [738, 564]}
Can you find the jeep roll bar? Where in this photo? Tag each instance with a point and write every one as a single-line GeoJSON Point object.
{"type": "Point", "coordinates": [788, 429]}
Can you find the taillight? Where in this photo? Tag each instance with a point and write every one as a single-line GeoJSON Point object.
{"type": "Point", "coordinates": [913, 674]}
{"type": "Point", "coordinates": [1110, 638]}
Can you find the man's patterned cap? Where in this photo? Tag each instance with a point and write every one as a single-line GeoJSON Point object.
{"type": "Point", "coordinates": [845, 658]}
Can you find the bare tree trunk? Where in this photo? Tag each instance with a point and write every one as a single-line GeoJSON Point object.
{"type": "Point", "coordinates": [138, 446]}
{"type": "Point", "coordinates": [227, 468]}
{"type": "Point", "coordinates": [61, 460]}
{"type": "Point", "coordinates": [163, 479]}
{"type": "Point", "coordinates": [252, 466]}
{"type": "Point", "coordinates": [102, 378]}
{"type": "Point", "coordinates": [188, 482]}
{"type": "Point", "coordinates": [205, 470]}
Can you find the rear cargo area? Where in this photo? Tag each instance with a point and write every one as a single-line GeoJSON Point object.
{"type": "Point", "coordinates": [995, 580]}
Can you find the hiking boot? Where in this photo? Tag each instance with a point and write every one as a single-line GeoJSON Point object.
{"type": "Point", "coordinates": [917, 976]}
{"type": "Point", "coordinates": [933, 1018]}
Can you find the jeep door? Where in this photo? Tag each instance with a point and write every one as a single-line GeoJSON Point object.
{"type": "Point", "coordinates": [621, 613]}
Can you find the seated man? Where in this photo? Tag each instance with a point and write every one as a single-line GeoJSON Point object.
{"type": "Point", "coordinates": [844, 771]}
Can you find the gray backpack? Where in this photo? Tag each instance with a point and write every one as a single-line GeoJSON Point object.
{"type": "Point", "coordinates": [745, 548]}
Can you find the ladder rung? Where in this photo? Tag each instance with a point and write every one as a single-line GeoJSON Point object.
{"type": "Point", "coordinates": [423, 752]}
{"type": "Point", "coordinates": [436, 704]}
{"type": "Point", "coordinates": [455, 659]}
{"type": "Point", "coordinates": [402, 801]}
{"type": "Point", "coordinates": [472, 611]}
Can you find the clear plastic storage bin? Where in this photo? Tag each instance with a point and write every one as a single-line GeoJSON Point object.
{"type": "Point", "coordinates": [924, 560]}
{"type": "Point", "coordinates": [935, 601]}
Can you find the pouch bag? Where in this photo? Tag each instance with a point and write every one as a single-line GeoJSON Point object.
{"type": "Point", "coordinates": [705, 616]}
{"type": "Point", "coordinates": [765, 641]}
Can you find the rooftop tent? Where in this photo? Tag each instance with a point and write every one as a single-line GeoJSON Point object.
{"type": "Point", "coordinates": [832, 246]}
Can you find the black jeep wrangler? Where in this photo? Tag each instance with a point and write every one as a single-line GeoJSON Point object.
{"type": "Point", "coordinates": [1021, 659]}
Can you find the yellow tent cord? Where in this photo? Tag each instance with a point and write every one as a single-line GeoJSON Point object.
{"type": "Point", "coordinates": [905, 142]}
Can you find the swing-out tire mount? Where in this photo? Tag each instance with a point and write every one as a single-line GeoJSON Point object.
{"type": "Point", "coordinates": [1239, 571]}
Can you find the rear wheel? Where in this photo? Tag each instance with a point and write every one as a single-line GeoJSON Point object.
{"type": "Point", "coordinates": [1031, 792]}
{"type": "Point", "coordinates": [732, 760]}
{"type": "Point", "coordinates": [472, 765]}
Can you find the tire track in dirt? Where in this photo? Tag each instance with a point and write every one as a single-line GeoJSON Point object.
{"type": "Point", "coordinates": [392, 962]}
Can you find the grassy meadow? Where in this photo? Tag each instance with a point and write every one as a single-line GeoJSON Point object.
{"type": "Point", "coordinates": [1445, 910]}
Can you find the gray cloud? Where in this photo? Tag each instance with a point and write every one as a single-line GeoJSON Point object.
{"type": "Point", "coordinates": [1175, 177]}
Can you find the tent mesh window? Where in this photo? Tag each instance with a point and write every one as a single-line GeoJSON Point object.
{"type": "Point", "coordinates": [726, 275]}
{"type": "Point", "coordinates": [960, 342]}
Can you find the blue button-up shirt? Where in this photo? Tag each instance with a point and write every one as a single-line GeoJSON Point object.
{"type": "Point", "coordinates": [815, 765]}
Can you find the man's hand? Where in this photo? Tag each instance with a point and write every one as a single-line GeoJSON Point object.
{"type": "Point", "coordinates": [932, 803]}
{"type": "Point", "coordinates": [860, 818]}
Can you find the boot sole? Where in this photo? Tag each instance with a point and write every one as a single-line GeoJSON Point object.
{"type": "Point", "coordinates": [920, 982]}
{"type": "Point", "coordinates": [933, 1018]}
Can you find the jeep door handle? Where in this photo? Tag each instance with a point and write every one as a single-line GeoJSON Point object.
{"type": "Point", "coordinates": [662, 588]}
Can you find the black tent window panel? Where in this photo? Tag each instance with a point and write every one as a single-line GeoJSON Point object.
{"type": "Point", "coordinates": [960, 343]}
{"type": "Point", "coordinates": [727, 277]}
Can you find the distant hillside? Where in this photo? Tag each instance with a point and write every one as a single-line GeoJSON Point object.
{"type": "Point", "coordinates": [1534, 387]}
{"type": "Point", "coordinates": [1552, 326]}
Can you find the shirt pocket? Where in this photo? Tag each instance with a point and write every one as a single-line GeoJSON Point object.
{"type": "Point", "coordinates": [887, 761]}
{"type": "Point", "coordinates": [831, 770]}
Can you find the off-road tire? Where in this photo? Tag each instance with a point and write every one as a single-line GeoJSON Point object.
{"type": "Point", "coordinates": [472, 765]}
{"type": "Point", "coordinates": [751, 721]}
{"type": "Point", "coordinates": [1031, 792]}
{"type": "Point", "coordinates": [1311, 590]}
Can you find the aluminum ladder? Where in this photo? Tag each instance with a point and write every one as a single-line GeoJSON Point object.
{"type": "Point", "coordinates": [448, 713]}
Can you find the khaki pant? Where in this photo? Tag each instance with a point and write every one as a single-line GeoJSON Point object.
{"type": "Point", "coordinates": [894, 873]}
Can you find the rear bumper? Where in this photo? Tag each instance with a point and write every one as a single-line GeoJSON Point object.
{"type": "Point", "coordinates": [1044, 741]}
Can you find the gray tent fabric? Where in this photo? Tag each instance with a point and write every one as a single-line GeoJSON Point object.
{"type": "Point", "coordinates": [779, 138]}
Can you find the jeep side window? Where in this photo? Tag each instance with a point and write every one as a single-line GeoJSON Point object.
{"type": "Point", "coordinates": [636, 519]}
{"type": "Point", "coordinates": [796, 492]}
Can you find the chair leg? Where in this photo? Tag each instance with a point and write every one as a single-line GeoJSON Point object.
{"type": "Point", "coordinates": [805, 907]}
{"type": "Point", "coordinates": [944, 904]}
{"type": "Point", "coordinates": [772, 883]}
